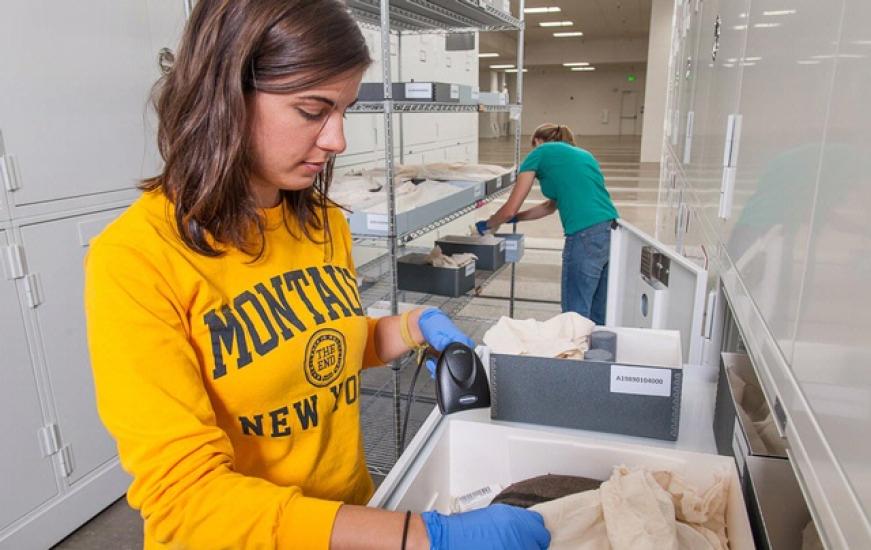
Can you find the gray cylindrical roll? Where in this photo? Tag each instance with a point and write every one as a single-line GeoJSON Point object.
{"type": "Point", "coordinates": [604, 339]}
{"type": "Point", "coordinates": [598, 355]}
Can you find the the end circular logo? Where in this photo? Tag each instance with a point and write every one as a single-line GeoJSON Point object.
{"type": "Point", "coordinates": [325, 357]}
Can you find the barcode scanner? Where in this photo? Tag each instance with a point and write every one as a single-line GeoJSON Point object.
{"type": "Point", "coordinates": [461, 382]}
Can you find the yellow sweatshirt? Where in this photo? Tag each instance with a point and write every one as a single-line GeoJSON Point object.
{"type": "Point", "coordinates": [232, 388]}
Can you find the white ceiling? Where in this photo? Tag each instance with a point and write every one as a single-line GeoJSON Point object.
{"type": "Point", "coordinates": [597, 19]}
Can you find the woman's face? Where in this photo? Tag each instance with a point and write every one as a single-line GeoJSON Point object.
{"type": "Point", "coordinates": [294, 135]}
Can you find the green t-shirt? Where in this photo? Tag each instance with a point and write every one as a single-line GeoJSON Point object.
{"type": "Point", "coordinates": [571, 177]}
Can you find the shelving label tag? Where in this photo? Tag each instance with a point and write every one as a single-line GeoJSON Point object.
{"type": "Point", "coordinates": [640, 381]}
{"type": "Point", "coordinates": [470, 268]}
{"type": "Point", "coordinates": [418, 90]}
{"type": "Point", "coordinates": [511, 245]}
{"type": "Point", "coordinates": [455, 91]}
{"type": "Point", "coordinates": [376, 222]}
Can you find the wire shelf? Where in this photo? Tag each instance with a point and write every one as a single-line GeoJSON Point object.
{"type": "Point", "coordinates": [427, 107]}
{"type": "Point", "coordinates": [435, 16]}
{"type": "Point", "coordinates": [421, 231]}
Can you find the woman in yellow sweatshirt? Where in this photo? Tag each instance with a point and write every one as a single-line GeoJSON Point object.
{"type": "Point", "coordinates": [225, 325]}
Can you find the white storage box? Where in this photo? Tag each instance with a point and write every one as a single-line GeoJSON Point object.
{"type": "Point", "coordinates": [462, 455]}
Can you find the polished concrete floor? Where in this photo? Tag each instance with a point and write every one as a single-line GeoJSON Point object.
{"type": "Point", "coordinates": [633, 187]}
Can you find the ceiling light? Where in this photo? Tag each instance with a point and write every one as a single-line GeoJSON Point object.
{"type": "Point", "coordinates": [752, 59]}
{"type": "Point", "coordinates": [551, 9]}
{"type": "Point", "coordinates": [808, 62]}
{"type": "Point", "coordinates": [576, 64]}
{"type": "Point", "coordinates": [583, 68]}
{"type": "Point", "coordinates": [766, 25]}
{"type": "Point", "coordinates": [488, 55]}
{"type": "Point", "coordinates": [861, 42]}
{"type": "Point", "coordinates": [555, 24]}
{"type": "Point", "coordinates": [515, 70]}
{"type": "Point", "coordinates": [501, 66]}
{"type": "Point", "coordinates": [739, 27]}
{"type": "Point", "coordinates": [565, 34]}
{"type": "Point", "coordinates": [779, 12]}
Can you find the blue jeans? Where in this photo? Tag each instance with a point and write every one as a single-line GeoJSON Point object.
{"type": "Point", "coordinates": [585, 271]}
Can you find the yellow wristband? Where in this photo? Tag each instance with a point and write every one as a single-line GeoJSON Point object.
{"type": "Point", "coordinates": [405, 333]}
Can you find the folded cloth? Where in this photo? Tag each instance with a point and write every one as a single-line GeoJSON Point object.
{"type": "Point", "coordinates": [639, 510]}
{"type": "Point", "coordinates": [439, 259]}
{"type": "Point", "coordinates": [413, 195]}
{"type": "Point", "coordinates": [566, 336]}
{"type": "Point", "coordinates": [755, 414]}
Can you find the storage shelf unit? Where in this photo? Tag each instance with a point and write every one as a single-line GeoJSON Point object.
{"type": "Point", "coordinates": [423, 230]}
{"type": "Point", "coordinates": [427, 16]}
{"type": "Point", "coordinates": [424, 107]}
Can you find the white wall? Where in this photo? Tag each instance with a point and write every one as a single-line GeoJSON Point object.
{"type": "Point", "coordinates": [556, 94]}
{"type": "Point", "coordinates": [661, 16]}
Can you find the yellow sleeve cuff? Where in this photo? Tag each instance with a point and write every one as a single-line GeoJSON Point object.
{"type": "Point", "coordinates": [370, 356]}
{"type": "Point", "coordinates": [307, 523]}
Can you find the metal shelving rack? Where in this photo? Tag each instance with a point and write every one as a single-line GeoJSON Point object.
{"type": "Point", "coordinates": [422, 17]}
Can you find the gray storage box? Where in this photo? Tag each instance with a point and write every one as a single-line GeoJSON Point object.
{"type": "Point", "coordinates": [638, 394]}
{"type": "Point", "coordinates": [493, 184]}
{"type": "Point", "coordinates": [415, 275]}
{"type": "Point", "coordinates": [490, 256]}
{"type": "Point", "coordinates": [468, 95]}
{"type": "Point", "coordinates": [514, 246]}
{"type": "Point", "coordinates": [369, 223]}
{"type": "Point", "coordinates": [371, 91]}
{"type": "Point", "coordinates": [479, 187]}
{"type": "Point", "coordinates": [507, 178]}
{"type": "Point", "coordinates": [730, 433]}
{"type": "Point", "coordinates": [775, 504]}
{"type": "Point", "coordinates": [437, 92]}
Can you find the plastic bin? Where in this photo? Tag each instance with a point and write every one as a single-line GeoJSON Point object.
{"type": "Point", "coordinates": [414, 274]}
{"type": "Point", "coordinates": [514, 246]}
{"type": "Point", "coordinates": [490, 256]}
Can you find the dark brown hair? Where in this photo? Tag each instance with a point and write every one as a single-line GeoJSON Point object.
{"type": "Point", "coordinates": [553, 132]}
{"type": "Point", "coordinates": [229, 50]}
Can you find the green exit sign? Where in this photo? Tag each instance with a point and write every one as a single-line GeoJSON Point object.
{"type": "Point", "coordinates": [630, 78]}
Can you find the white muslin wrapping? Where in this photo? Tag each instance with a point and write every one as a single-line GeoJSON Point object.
{"type": "Point", "coordinates": [639, 510]}
{"type": "Point", "coordinates": [567, 336]}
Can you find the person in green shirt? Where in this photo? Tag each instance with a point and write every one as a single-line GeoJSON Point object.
{"type": "Point", "coordinates": [571, 179]}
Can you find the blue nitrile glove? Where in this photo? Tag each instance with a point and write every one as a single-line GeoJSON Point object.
{"type": "Point", "coordinates": [481, 226]}
{"type": "Point", "coordinates": [497, 526]}
{"type": "Point", "coordinates": [513, 219]}
{"type": "Point", "coordinates": [439, 332]}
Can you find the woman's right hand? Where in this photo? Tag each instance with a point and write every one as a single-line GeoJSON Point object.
{"type": "Point", "coordinates": [497, 526]}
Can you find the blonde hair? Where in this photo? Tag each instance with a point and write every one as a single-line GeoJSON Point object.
{"type": "Point", "coordinates": [553, 132]}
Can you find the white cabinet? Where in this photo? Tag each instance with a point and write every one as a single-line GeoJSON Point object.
{"type": "Point", "coordinates": [27, 473]}
{"type": "Point", "coordinates": [777, 169]}
{"type": "Point", "coordinates": [652, 286]}
{"type": "Point", "coordinates": [55, 251]}
{"type": "Point", "coordinates": [72, 114]}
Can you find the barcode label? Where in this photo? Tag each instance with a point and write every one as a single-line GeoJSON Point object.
{"type": "Point", "coordinates": [469, 497]}
{"type": "Point", "coordinates": [511, 245]}
{"type": "Point", "coordinates": [470, 268]}
{"type": "Point", "coordinates": [501, 246]}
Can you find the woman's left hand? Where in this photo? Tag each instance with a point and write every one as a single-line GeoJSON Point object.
{"type": "Point", "coordinates": [439, 332]}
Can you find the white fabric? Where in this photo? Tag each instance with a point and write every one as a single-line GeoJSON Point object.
{"type": "Point", "coordinates": [639, 510]}
{"type": "Point", "coordinates": [437, 258]}
{"type": "Point", "coordinates": [755, 414]}
{"type": "Point", "coordinates": [567, 336]}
